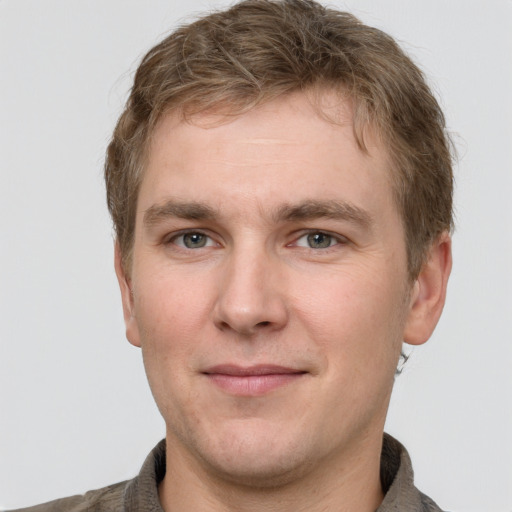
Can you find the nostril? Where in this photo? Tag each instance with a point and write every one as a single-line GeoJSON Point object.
{"type": "Point", "coordinates": [263, 324]}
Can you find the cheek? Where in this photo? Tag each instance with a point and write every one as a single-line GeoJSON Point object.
{"type": "Point", "coordinates": [170, 301]}
{"type": "Point", "coordinates": [168, 316]}
{"type": "Point", "coordinates": [355, 316]}
{"type": "Point", "coordinates": [171, 313]}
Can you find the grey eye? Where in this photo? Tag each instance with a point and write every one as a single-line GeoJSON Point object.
{"type": "Point", "coordinates": [319, 240]}
{"type": "Point", "coordinates": [194, 240]}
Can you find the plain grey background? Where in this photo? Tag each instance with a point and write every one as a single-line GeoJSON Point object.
{"type": "Point", "coordinates": [75, 409]}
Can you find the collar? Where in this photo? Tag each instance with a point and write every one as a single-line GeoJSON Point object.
{"type": "Point", "coordinates": [396, 474]}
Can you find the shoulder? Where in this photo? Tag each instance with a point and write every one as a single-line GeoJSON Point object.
{"type": "Point", "coordinates": [428, 504]}
{"type": "Point", "coordinates": [106, 499]}
{"type": "Point", "coordinates": [140, 493]}
{"type": "Point", "coordinates": [397, 478]}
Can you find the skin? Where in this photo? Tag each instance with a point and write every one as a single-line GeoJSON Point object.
{"type": "Point", "coordinates": [272, 240]}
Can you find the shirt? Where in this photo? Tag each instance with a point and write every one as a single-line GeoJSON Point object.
{"type": "Point", "coordinates": [141, 493]}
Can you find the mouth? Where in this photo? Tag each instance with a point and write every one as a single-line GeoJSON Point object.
{"type": "Point", "coordinates": [252, 380]}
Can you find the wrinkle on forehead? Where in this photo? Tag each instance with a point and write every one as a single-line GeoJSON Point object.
{"type": "Point", "coordinates": [267, 141]}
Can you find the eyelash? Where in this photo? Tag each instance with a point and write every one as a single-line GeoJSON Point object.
{"type": "Point", "coordinates": [173, 239]}
{"type": "Point", "coordinates": [334, 240]}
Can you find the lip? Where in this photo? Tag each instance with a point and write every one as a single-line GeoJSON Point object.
{"type": "Point", "coordinates": [255, 380]}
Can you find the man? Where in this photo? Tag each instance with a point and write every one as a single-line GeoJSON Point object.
{"type": "Point", "coordinates": [281, 189]}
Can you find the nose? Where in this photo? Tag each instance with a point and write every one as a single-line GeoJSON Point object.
{"type": "Point", "coordinates": [251, 296]}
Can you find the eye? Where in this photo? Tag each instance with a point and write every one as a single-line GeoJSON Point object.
{"type": "Point", "coordinates": [193, 240]}
{"type": "Point", "coordinates": [318, 240]}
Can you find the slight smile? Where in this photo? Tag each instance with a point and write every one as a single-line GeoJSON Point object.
{"type": "Point", "coordinates": [253, 380]}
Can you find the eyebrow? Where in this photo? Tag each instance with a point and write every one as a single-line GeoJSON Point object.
{"type": "Point", "coordinates": [182, 210]}
{"type": "Point", "coordinates": [305, 210]}
{"type": "Point", "coordinates": [332, 209]}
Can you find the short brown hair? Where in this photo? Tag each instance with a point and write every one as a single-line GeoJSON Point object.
{"type": "Point", "coordinates": [259, 50]}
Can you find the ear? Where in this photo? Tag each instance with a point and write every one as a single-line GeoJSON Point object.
{"type": "Point", "coordinates": [125, 285]}
{"type": "Point", "coordinates": [429, 292]}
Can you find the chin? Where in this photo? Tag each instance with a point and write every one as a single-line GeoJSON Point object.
{"type": "Point", "coordinates": [264, 470]}
{"type": "Point", "coordinates": [255, 457]}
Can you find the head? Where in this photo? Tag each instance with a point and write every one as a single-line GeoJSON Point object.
{"type": "Point", "coordinates": [259, 50]}
{"type": "Point", "coordinates": [280, 185]}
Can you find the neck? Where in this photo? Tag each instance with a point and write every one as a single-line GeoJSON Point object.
{"type": "Point", "coordinates": [350, 483]}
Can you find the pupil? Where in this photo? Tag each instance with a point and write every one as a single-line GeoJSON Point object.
{"type": "Point", "coordinates": [194, 240]}
{"type": "Point", "coordinates": [319, 240]}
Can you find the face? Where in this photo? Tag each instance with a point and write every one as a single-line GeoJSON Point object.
{"type": "Point", "coordinates": [268, 289]}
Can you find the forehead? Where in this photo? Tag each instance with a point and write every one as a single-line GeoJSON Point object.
{"type": "Point", "coordinates": [285, 150]}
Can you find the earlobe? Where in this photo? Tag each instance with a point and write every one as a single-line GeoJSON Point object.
{"type": "Point", "coordinates": [125, 286]}
{"type": "Point", "coordinates": [429, 292]}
